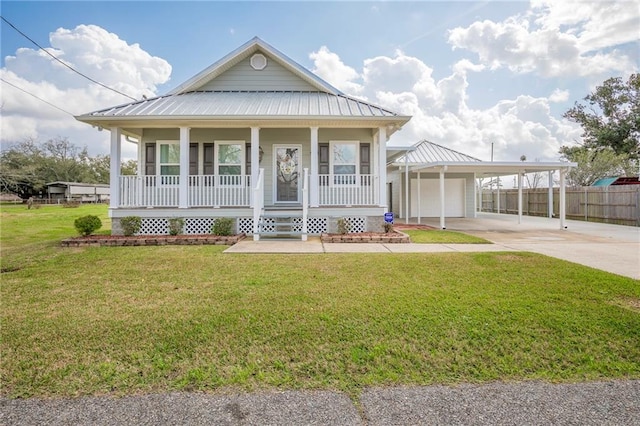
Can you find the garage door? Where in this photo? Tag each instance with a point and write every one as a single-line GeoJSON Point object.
{"type": "Point", "coordinates": [454, 193]}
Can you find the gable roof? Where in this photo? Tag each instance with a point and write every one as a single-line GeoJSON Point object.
{"type": "Point", "coordinates": [428, 152]}
{"type": "Point", "coordinates": [254, 45]}
{"type": "Point", "coordinates": [191, 103]}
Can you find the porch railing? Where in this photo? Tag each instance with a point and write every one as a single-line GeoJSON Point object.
{"type": "Point", "coordinates": [347, 190]}
{"type": "Point", "coordinates": [204, 191]}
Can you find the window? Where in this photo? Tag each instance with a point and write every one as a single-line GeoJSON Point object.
{"type": "Point", "coordinates": [230, 162]}
{"type": "Point", "coordinates": [169, 159]}
{"type": "Point", "coordinates": [344, 162]}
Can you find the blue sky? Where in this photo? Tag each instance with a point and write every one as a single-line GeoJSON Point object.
{"type": "Point", "coordinates": [470, 73]}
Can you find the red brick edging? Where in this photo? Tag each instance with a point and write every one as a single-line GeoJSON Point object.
{"type": "Point", "coordinates": [392, 237]}
{"type": "Point", "coordinates": [150, 240]}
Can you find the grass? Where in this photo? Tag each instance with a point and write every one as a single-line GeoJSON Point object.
{"type": "Point", "coordinates": [434, 236]}
{"type": "Point", "coordinates": [125, 320]}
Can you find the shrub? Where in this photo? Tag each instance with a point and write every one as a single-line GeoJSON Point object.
{"type": "Point", "coordinates": [222, 226]}
{"type": "Point", "coordinates": [175, 225]}
{"type": "Point", "coordinates": [388, 227]}
{"type": "Point", "coordinates": [130, 225]}
{"type": "Point", "coordinates": [86, 225]}
{"type": "Point", "coordinates": [343, 226]}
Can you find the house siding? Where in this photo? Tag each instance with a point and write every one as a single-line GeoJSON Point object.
{"type": "Point", "coordinates": [243, 77]}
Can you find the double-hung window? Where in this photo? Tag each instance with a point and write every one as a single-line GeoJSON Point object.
{"type": "Point", "coordinates": [230, 162]}
{"type": "Point", "coordinates": [344, 162]}
{"type": "Point", "coordinates": [169, 162]}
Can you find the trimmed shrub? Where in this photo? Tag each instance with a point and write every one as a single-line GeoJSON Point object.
{"type": "Point", "coordinates": [388, 227]}
{"type": "Point", "coordinates": [176, 225]}
{"type": "Point", "coordinates": [130, 225]}
{"type": "Point", "coordinates": [343, 226]}
{"type": "Point", "coordinates": [223, 226]}
{"type": "Point", "coordinates": [86, 225]}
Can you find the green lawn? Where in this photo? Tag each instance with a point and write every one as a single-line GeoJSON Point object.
{"type": "Point", "coordinates": [436, 236]}
{"type": "Point", "coordinates": [144, 319]}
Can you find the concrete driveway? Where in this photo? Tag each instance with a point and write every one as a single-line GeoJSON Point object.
{"type": "Point", "coordinates": [612, 248]}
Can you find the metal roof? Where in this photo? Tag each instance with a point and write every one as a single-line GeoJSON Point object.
{"type": "Point", "coordinates": [429, 152]}
{"type": "Point", "coordinates": [210, 104]}
{"type": "Point", "coordinates": [244, 51]}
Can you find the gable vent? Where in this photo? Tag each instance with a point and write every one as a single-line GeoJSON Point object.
{"type": "Point", "coordinates": [258, 62]}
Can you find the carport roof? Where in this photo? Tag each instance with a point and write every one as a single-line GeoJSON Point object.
{"type": "Point", "coordinates": [427, 156]}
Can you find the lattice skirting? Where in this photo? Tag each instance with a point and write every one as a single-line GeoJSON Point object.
{"type": "Point", "coordinates": [317, 225]}
{"type": "Point", "coordinates": [192, 226]}
{"type": "Point", "coordinates": [356, 224]}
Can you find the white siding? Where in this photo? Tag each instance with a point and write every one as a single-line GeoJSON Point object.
{"type": "Point", "coordinates": [430, 197]}
{"type": "Point", "coordinates": [244, 77]}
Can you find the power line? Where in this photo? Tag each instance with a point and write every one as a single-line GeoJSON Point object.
{"type": "Point", "coordinates": [64, 63]}
{"type": "Point", "coordinates": [40, 99]}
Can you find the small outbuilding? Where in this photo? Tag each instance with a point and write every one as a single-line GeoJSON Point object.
{"type": "Point", "coordinates": [75, 191]}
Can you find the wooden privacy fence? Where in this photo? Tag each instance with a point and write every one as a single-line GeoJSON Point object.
{"type": "Point", "coordinates": [608, 204]}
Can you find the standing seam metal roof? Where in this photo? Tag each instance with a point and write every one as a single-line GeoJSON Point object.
{"type": "Point", "coordinates": [248, 103]}
{"type": "Point", "coordinates": [429, 152]}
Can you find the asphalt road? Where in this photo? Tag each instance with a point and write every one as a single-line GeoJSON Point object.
{"type": "Point", "coordinates": [528, 403]}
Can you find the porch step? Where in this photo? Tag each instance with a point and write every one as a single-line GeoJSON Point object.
{"type": "Point", "coordinates": [280, 224]}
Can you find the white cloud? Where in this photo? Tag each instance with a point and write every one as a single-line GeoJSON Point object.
{"type": "Point", "coordinates": [330, 67]}
{"type": "Point", "coordinates": [557, 38]}
{"type": "Point", "coordinates": [559, 96]}
{"type": "Point", "coordinates": [91, 50]}
{"type": "Point", "coordinates": [440, 111]}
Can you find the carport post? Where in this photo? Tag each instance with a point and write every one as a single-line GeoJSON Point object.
{"type": "Point", "coordinates": [419, 198]}
{"type": "Point", "coordinates": [550, 207]}
{"type": "Point", "coordinates": [498, 190]}
{"type": "Point", "coordinates": [562, 198]}
{"type": "Point", "coordinates": [520, 197]}
{"type": "Point", "coordinates": [406, 188]}
{"type": "Point", "coordinates": [442, 224]}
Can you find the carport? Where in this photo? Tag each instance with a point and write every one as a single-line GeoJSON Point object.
{"type": "Point", "coordinates": [430, 159]}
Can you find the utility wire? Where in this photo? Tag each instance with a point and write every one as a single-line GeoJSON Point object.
{"type": "Point", "coordinates": [64, 63]}
{"type": "Point", "coordinates": [40, 99]}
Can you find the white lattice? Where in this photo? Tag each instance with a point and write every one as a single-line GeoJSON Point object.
{"type": "Point", "coordinates": [317, 225]}
{"type": "Point", "coordinates": [356, 224]}
{"type": "Point", "coordinates": [198, 225]}
{"type": "Point", "coordinates": [153, 226]}
{"type": "Point", "coordinates": [265, 227]}
{"type": "Point", "coordinates": [296, 224]}
{"type": "Point", "coordinates": [245, 225]}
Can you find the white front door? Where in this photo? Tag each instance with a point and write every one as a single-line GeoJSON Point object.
{"type": "Point", "coordinates": [286, 173]}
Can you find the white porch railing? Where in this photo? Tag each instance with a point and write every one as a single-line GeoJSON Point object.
{"type": "Point", "coordinates": [347, 190]}
{"type": "Point", "coordinates": [258, 203]}
{"type": "Point", "coordinates": [204, 191]}
{"type": "Point", "coordinates": [305, 203]}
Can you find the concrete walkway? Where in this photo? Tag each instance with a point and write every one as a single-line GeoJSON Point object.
{"type": "Point", "coordinates": [611, 248]}
{"type": "Point", "coordinates": [528, 403]}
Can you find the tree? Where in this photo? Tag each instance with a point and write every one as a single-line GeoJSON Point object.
{"type": "Point", "coordinates": [611, 117]}
{"type": "Point", "coordinates": [26, 167]}
{"type": "Point", "coordinates": [595, 164]}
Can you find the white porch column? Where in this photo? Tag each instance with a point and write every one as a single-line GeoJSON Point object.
{"type": "Point", "coordinates": [475, 196]}
{"type": "Point", "coordinates": [479, 183]}
{"type": "Point", "coordinates": [442, 224]}
{"type": "Point", "coordinates": [114, 174]}
{"type": "Point", "coordinates": [407, 216]}
{"type": "Point", "coordinates": [140, 159]}
{"type": "Point", "coordinates": [183, 189]}
{"type": "Point", "coordinates": [314, 198]}
{"type": "Point", "coordinates": [255, 158]}
{"type": "Point", "coordinates": [550, 206]}
{"type": "Point", "coordinates": [419, 198]}
{"type": "Point", "coordinates": [562, 198]}
{"type": "Point", "coordinates": [382, 166]}
{"type": "Point", "coordinates": [520, 197]}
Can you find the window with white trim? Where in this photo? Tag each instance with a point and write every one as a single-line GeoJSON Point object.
{"type": "Point", "coordinates": [169, 159]}
{"type": "Point", "coordinates": [344, 162]}
{"type": "Point", "coordinates": [230, 158]}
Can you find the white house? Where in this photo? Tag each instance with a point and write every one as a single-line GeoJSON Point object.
{"type": "Point", "coordinates": [255, 137]}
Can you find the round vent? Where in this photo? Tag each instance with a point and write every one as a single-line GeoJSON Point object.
{"type": "Point", "coordinates": [258, 61]}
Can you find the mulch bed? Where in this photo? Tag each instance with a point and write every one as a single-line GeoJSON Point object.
{"type": "Point", "coordinates": [367, 237]}
{"type": "Point", "coordinates": [151, 240]}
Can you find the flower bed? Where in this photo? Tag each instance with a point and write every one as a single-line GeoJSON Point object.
{"type": "Point", "coordinates": [151, 240]}
{"type": "Point", "coordinates": [367, 237]}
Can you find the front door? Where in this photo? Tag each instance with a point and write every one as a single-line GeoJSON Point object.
{"type": "Point", "coordinates": [286, 173]}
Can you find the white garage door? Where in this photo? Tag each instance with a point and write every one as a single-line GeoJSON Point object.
{"type": "Point", "coordinates": [454, 195]}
